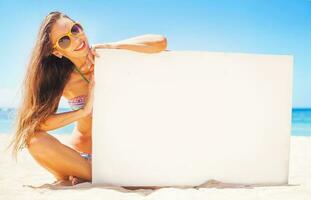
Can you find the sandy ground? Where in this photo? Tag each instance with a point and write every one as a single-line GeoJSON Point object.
{"type": "Point", "coordinates": [27, 180]}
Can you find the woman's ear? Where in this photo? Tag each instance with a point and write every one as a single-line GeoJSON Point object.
{"type": "Point", "coordinates": [57, 53]}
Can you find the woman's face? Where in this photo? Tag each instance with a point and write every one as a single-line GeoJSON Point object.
{"type": "Point", "coordinates": [61, 27]}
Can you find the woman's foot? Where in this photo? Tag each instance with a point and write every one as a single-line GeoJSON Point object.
{"type": "Point", "coordinates": [75, 180]}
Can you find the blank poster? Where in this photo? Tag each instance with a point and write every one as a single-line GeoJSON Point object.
{"type": "Point", "coordinates": [179, 118]}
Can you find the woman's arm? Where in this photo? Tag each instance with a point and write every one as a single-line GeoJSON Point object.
{"type": "Point", "coordinates": [59, 120]}
{"type": "Point", "coordinates": [149, 43]}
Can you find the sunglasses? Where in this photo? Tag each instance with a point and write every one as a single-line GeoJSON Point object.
{"type": "Point", "coordinates": [65, 41]}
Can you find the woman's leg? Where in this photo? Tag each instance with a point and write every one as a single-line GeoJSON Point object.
{"type": "Point", "coordinates": [59, 159]}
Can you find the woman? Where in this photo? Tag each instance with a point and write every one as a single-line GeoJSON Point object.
{"type": "Point", "coordinates": [62, 64]}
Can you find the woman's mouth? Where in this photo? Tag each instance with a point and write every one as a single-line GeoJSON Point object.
{"type": "Point", "coordinates": [81, 46]}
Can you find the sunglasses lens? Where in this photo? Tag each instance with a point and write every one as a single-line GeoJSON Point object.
{"type": "Point", "coordinates": [76, 29]}
{"type": "Point", "coordinates": [64, 42]}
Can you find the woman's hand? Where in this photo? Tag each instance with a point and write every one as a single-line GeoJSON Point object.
{"type": "Point", "coordinates": [90, 62]}
{"type": "Point", "coordinates": [88, 107]}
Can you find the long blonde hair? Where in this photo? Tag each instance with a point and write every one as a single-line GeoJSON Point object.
{"type": "Point", "coordinates": [43, 85]}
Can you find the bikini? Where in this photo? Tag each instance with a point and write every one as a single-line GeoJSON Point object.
{"type": "Point", "coordinates": [77, 103]}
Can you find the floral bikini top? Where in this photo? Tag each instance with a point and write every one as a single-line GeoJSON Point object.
{"type": "Point", "coordinates": [78, 102]}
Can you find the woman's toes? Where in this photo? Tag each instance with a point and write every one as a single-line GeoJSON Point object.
{"type": "Point", "coordinates": [75, 181]}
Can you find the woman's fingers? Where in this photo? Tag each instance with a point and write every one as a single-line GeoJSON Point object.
{"type": "Point", "coordinates": [93, 51]}
{"type": "Point", "coordinates": [91, 80]}
{"type": "Point", "coordinates": [90, 56]}
{"type": "Point", "coordinates": [82, 68]}
{"type": "Point", "coordinates": [85, 66]}
{"type": "Point", "coordinates": [92, 68]}
{"type": "Point", "coordinates": [89, 62]}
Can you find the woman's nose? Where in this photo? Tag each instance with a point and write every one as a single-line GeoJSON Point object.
{"type": "Point", "coordinates": [77, 41]}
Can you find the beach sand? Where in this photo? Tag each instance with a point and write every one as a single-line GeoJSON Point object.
{"type": "Point", "coordinates": [27, 180]}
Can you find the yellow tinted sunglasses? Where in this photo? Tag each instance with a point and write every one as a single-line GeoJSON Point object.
{"type": "Point", "coordinates": [65, 41]}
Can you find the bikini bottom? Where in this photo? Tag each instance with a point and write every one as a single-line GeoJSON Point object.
{"type": "Point", "coordinates": [86, 156]}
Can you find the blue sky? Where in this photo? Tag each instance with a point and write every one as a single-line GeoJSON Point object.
{"type": "Point", "coordinates": [249, 26]}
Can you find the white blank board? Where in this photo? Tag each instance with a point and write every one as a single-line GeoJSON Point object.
{"type": "Point", "coordinates": [179, 118]}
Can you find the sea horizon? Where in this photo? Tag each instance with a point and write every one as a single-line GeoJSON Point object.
{"type": "Point", "coordinates": [301, 121]}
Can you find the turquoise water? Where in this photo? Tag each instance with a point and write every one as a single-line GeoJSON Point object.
{"type": "Point", "coordinates": [301, 121]}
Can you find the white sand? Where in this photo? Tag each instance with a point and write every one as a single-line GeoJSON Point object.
{"type": "Point", "coordinates": [19, 181]}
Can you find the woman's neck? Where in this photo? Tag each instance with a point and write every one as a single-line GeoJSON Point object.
{"type": "Point", "coordinates": [78, 62]}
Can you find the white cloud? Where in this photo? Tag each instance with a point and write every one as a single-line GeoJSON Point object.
{"type": "Point", "coordinates": [9, 97]}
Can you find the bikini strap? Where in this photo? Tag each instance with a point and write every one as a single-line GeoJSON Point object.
{"type": "Point", "coordinates": [81, 74]}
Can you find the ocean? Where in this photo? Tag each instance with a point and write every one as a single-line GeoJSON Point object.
{"type": "Point", "coordinates": [301, 121]}
{"type": "Point", "coordinates": [7, 117]}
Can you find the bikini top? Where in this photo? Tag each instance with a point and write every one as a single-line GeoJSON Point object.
{"type": "Point", "coordinates": [78, 102]}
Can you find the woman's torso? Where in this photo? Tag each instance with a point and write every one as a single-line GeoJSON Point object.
{"type": "Point", "coordinates": [82, 134]}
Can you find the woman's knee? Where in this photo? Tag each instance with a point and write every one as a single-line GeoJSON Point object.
{"type": "Point", "coordinates": [40, 142]}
